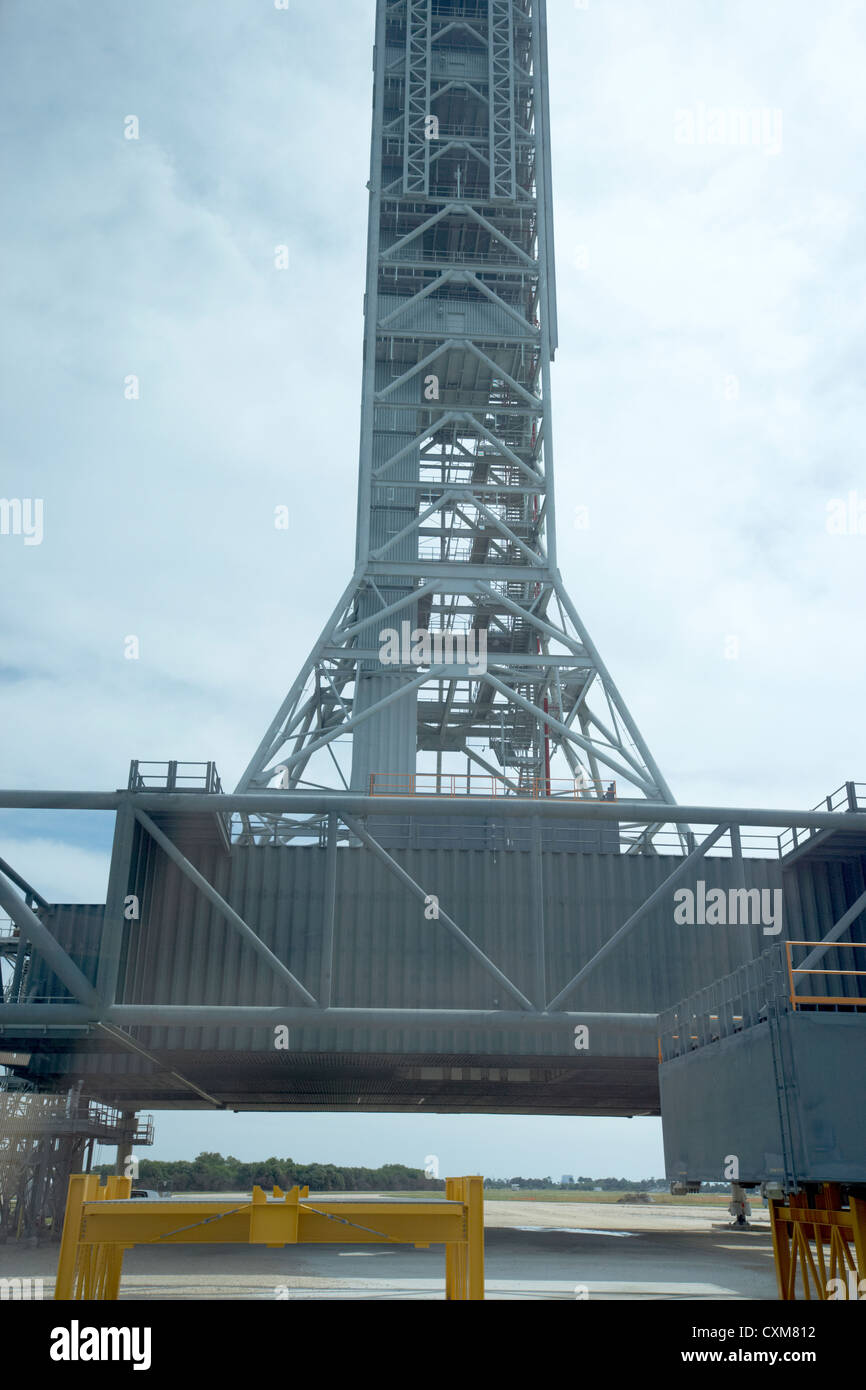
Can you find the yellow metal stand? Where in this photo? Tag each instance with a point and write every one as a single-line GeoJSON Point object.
{"type": "Point", "coordinates": [821, 1221]}
{"type": "Point", "coordinates": [102, 1222]}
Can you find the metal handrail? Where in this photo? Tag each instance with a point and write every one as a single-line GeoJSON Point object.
{"type": "Point", "coordinates": [169, 777]}
{"type": "Point", "coordinates": [747, 997]}
{"type": "Point", "coordinates": [851, 796]}
{"type": "Point", "coordinates": [470, 784]}
{"type": "Point", "coordinates": [729, 1005]}
{"type": "Point", "coordinates": [796, 999]}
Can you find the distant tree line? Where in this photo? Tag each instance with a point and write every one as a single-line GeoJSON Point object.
{"type": "Point", "coordinates": [210, 1172]}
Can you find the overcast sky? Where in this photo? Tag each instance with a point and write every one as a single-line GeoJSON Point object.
{"type": "Point", "coordinates": [708, 412]}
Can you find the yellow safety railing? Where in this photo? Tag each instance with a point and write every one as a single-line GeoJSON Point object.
{"type": "Point", "coordinates": [793, 970]}
{"type": "Point", "coordinates": [102, 1222]}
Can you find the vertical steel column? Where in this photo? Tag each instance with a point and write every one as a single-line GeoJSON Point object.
{"type": "Point", "coordinates": [416, 141]}
{"type": "Point", "coordinates": [537, 891]}
{"type": "Point", "coordinates": [740, 881]}
{"type": "Point", "coordinates": [371, 297]}
{"type": "Point", "coordinates": [500, 95]}
{"type": "Point", "coordinates": [329, 913]}
{"type": "Point", "coordinates": [46, 944]}
{"type": "Point", "coordinates": [546, 294]}
{"type": "Point", "coordinates": [114, 923]}
{"type": "Point", "coordinates": [18, 969]}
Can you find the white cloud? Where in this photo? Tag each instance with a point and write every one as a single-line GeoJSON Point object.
{"type": "Point", "coordinates": [60, 872]}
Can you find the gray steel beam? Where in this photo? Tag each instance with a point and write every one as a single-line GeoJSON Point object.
{"type": "Point", "coordinates": [27, 889]}
{"type": "Point", "coordinates": [358, 803]}
{"type": "Point", "coordinates": [567, 732]}
{"type": "Point", "coordinates": [133, 1045]}
{"type": "Point", "coordinates": [114, 923]}
{"type": "Point", "coordinates": [517, 662]}
{"type": "Point", "coordinates": [538, 927]}
{"type": "Point", "coordinates": [264, 1016]}
{"type": "Point", "coordinates": [525, 611]}
{"type": "Point", "coordinates": [546, 271]}
{"type": "Point", "coordinates": [225, 909]}
{"type": "Point", "coordinates": [371, 295]}
{"type": "Point", "coordinates": [740, 880]}
{"type": "Point", "coordinates": [624, 714]}
{"type": "Point", "coordinates": [353, 629]}
{"type": "Point", "coordinates": [497, 522]}
{"type": "Point", "coordinates": [547, 199]}
{"type": "Point", "coordinates": [840, 928]}
{"type": "Point", "coordinates": [21, 954]}
{"type": "Point", "coordinates": [328, 920]}
{"type": "Point", "coordinates": [457, 569]}
{"type": "Point", "coordinates": [51, 951]}
{"type": "Point", "coordinates": [490, 768]}
{"type": "Point", "coordinates": [408, 882]}
{"type": "Point", "coordinates": [341, 729]}
{"type": "Point", "coordinates": [494, 490]}
{"type": "Point", "coordinates": [661, 892]}
{"type": "Point", "coordinates": [267, 745]}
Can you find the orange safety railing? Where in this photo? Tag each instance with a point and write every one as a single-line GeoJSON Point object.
{"type": "Point", "coordinates": [849, 999]}
{"type": "Point", "coordinates": [470, 784]}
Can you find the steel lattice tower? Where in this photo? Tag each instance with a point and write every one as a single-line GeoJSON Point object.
{"type": "Point", "coordinates": [456, 533]}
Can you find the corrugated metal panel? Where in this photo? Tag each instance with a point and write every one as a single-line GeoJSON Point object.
{"type": "Point", "coordinates": [492, 833]}
{"type": "Point", "coordinates": [78, 928]}
{"type": "Point", "coordinates": [387, 740]}
{"type": "Point", "coordinates": [818, 893]}
{"type": "Point", "coordinates": [722, 1100]}
{"type": "Point", "coordinates": [388, 955]}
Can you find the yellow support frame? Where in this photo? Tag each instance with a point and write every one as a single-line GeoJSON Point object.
{"type": "Point", "coordinates": [102, 1222]}
{"type": "Point", "coordinates": [826, 1225]}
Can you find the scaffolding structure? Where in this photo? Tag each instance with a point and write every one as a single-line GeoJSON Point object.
{"type": "Point", "coordinates": [44, 1139]}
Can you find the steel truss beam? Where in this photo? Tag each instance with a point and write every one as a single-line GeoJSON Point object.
{"type": "Point", "coordinates": [94, 1008]}
{"type": "Point", "coordinates": [679, 873]}
{"type": "Point", "coordinates": [223, 908]}
{"type": "Point", "coordinates": [415, 888]}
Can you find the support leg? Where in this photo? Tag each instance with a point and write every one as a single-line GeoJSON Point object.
{"type": "Point", "coordinates": [82, 1188]}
